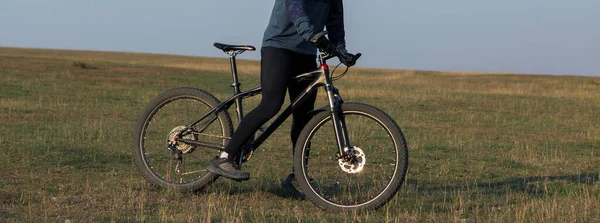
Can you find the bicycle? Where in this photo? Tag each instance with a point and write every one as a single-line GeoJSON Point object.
{"type": "Point", "coordinates": [349, 156]}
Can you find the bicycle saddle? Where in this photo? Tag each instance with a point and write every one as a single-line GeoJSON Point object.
{"type": "Point", "coordinates": [227, 47]}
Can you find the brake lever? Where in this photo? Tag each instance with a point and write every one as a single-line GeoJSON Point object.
{"type": "Point", "coordinates": [332, 52]}
{"type": "Point", "coordinates": [328, 55]}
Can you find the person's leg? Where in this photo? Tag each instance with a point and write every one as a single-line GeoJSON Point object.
{"type": "Point", "coordinates": [302, 64]}
{"type": "Point", "coordinates": [275, 63]}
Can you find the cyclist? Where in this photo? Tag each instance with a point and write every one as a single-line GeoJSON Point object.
{"type": "Point", "coordinates": [289, 48]}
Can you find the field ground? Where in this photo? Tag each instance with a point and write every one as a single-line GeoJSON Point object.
{"type": "Point", "coordinates": [483, 147]}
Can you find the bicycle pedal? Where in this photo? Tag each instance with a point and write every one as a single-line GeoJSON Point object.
{"type": "Point", "coordinates": [247, 156]}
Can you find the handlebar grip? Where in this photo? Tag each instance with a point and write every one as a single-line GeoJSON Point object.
{"type": "Point", "coordinates": [333, 52]}
{"type": "Point", "coordinates": [355, 58]}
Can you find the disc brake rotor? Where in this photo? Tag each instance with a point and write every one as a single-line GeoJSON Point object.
{"type": "Point", "coordinates": [184, 148]}
{"type": "Point", "coordinates": [355, 165]}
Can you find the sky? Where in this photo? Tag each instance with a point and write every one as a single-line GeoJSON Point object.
{"type": "Point", "coordinates": [515, 36]}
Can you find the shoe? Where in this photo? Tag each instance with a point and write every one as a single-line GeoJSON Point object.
{"type": "Point", "coordinates": [227, 168]}
{"type": "Point", "coordinates": [288, 186]}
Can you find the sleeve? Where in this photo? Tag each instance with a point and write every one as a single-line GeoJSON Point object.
{"type": "Point", "coordinates": [335, 23]}
{"type": "Point", "coordinates": [295, 9]}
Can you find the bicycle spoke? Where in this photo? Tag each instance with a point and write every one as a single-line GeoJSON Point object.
{"type": "Point", "coordinates": [369, 172]}
{"type": "Point", "coordinates": [181, 163]}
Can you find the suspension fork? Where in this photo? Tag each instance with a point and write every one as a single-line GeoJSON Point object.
{"type": "Point", "coordinates": [337, 118]}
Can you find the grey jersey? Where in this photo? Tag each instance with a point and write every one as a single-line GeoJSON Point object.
{"type": "Point", "coordinates": [293, 21]}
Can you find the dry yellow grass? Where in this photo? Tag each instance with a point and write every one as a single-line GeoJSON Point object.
{"type": "Point", "coordinates": [483, 147]}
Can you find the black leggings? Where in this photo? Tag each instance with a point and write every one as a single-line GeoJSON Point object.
{"type": "Point", "coordinates": [278, 67]}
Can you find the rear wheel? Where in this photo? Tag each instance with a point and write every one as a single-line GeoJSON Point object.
{"type": "Point", "coordinates": [366, 180]}
{"type": "Point", "coordinates": [161, 158]}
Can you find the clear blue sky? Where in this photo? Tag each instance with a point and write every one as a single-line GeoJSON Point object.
{"type": "Point", "coordinates": [519, 36]}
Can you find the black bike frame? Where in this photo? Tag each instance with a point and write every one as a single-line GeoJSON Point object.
{"type": "Point", "coordinates": [321, 78]}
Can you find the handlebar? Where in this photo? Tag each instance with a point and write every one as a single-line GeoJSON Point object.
{"type": "Point", "coordinates": [332, 52]}
{"type": "Point", "coordinates": [354, 59]}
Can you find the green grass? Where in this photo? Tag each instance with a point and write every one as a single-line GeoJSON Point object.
{"type": "Point", "coordinates": [483, 147]}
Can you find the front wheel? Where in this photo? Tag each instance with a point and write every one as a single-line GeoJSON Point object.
{"type": "Point", "coordinates": [368, 180]}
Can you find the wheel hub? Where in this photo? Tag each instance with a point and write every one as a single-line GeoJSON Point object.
{"type": "Point", "coordinates": [355, 163]}
{"type": "Point", "coordinates": [184, 148]}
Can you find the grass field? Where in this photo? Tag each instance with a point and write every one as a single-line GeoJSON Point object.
{"type": "Point", "coordinates": [483, 147]}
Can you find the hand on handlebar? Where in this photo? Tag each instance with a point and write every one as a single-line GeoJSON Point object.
{"type": "Point", "coordinates": [320, 41]}
{"type": "Point", "coordinates": [343, 55]}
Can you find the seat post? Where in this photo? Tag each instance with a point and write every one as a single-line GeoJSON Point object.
{"type": "Point", "coordinates": [236, 86]}
{"type": "Point", "coordinates": [233, 51]}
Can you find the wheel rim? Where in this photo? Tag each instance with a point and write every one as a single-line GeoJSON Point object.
{"type": "Point", "coordinates": [339, 187]}
{"type": "Point", "coordinates": [158, 131]}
